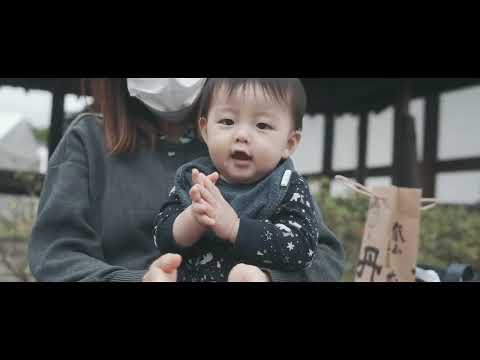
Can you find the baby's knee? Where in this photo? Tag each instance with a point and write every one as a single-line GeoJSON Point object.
{"type": "Point", "coordinates": [245, 273]}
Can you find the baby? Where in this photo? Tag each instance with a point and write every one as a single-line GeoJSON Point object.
{"type": "Point", "coordinates": [245, 204]}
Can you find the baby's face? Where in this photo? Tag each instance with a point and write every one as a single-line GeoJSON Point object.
{"type": "Point", "coordinates": [247, 134]}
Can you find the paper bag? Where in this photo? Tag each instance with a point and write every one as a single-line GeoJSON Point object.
{"type": "Point", "coordinates": [390, 242]}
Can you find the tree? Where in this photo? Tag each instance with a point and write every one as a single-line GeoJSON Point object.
{"type": "Point", "coordinates": [41, 134]}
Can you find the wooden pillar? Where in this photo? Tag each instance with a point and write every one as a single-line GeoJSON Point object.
{"type": "Point", "coordinates": [405, 172]}
{"type": "Point", "coordinates": [430, 144]}
{"type": "Point", "coordinates": [57, 120]}
{"type": "Point", "coordinates": [362, 147]}
{"type": "Point", "coordinates": [328, 145]}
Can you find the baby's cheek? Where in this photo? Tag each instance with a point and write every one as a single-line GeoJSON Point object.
{"type": "Point", "coordinates": [217, 152]}
{"type": "Point", "coordinates": [268, 160]}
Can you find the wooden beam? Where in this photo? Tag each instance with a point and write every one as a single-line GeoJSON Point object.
{"type": "Point", "coordinates": [362, 148]}
{"type": "Point", "coordinates": [372, 172]}
{"type": "Point", "coordinates": [353, 95]}
{"type": "Point", "coordinates": [466, 164]}
{"type": "Point", "coordinates": [328, 144]}
{"type": "Point", "coordinates": [404, 144]}
{"type": "Point", "coordinates": [430, 144]}
{"type": "Point", "coordinates": [57, 120]}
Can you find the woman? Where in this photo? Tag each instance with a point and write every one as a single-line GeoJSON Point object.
{"type": "Point", "coordinates": [108, 177]}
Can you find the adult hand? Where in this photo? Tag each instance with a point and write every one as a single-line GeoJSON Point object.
{"type": "Point", "coordinates": [164, 269]}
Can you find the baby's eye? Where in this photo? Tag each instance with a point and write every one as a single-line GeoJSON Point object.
{"type": "Point", "coordinates": [228, 122]}
{"type": "Point", "coordinates": [264, 126]}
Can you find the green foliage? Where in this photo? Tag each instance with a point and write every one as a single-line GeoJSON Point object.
{"type": "Point", "coordinates": [41, 134]}
{"type": "Point", "coordinates": [16, 222]}
{"type": "Point", "coordinates": [450, 234]}
{"type": "Point", "coordinates": [447, 234]}
{"type": "Point", "coordinates": [31, 181]}
{"type": "Point", "coordinates": [22, 213]}
{"type": "Point", "coordinates": [15, 228]}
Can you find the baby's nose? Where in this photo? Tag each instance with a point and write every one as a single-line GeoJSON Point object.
{"type": "Point", "coordinates": [242, 135]}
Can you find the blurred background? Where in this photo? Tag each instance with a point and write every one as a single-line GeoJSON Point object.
{"type": "Point", "coordinates": [412, 132]}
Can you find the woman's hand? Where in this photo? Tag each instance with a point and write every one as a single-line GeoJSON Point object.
{"type": "Point", "coordinates": [164, 269]}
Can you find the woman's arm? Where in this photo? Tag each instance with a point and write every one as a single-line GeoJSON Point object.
{"type": "Point", "coordinates": [66, 243]}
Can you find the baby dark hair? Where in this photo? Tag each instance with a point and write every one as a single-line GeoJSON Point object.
{"type": "Point", "coordinates": [289, 91]}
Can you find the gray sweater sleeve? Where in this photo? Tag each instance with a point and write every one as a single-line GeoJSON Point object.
{"type": "Point", "coordinates": [65, 243]}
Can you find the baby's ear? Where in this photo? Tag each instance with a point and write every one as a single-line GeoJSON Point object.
{"type": "Point", "coordinates": [202, 127]}
{"type": "Point", "coordinates": [292, 144]}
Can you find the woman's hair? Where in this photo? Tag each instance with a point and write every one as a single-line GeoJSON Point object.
{"type": "Point", "coordinates": [128, 124]}
{"type": "Point", "coordinates": [289, 91]}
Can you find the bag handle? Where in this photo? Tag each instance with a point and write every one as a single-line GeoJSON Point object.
{"type": "Point", "coordinates": [430, 206]}
{"type": "Point", "coordinates": [359, 188]}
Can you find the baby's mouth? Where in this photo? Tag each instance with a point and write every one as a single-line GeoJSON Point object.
{"type": "Point", "coordinates": [241, 155]}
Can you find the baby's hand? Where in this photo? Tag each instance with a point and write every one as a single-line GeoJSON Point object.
{"type": "Point", "coordinates": [201, 211]}
{"type": "Point", "coordinates": [200, 208]}
{"type": "Point", "coordinates": [198, 179]}
{"type": "Point", "coordinates": [216, 212]}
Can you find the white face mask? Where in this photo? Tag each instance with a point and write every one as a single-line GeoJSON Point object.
{"type": "Point", "coordinates": [166, 95]}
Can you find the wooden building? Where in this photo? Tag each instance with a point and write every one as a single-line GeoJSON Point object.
{"type": "Point", "coordinates": [331, 97]}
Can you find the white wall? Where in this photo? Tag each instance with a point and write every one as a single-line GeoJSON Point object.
{"type": "Point", "coordinates": [308, 158]}
{"type": "Point", "coordinates": [459, 136]}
